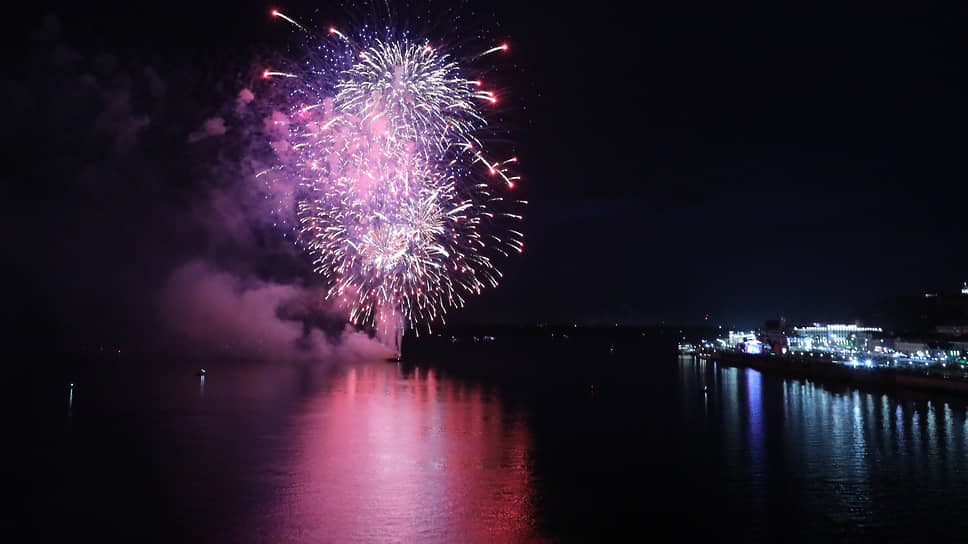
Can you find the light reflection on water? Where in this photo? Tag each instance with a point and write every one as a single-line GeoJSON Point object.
{"type": "Point", "coordinates": [860, 462]}
{"type": "Point", "coordinates": [380, 457]}
{"type": "Point", "coordinates": [376, 452]}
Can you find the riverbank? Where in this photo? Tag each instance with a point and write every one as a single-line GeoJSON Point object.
{"type": "Point", "coordinates": [826, 369]}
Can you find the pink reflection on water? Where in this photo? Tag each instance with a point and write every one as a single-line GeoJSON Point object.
{"type": "Point", "coordinates": [381, 458]}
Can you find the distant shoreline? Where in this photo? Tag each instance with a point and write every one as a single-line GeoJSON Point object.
{"type": "Point", "coordinates": [826, 370]}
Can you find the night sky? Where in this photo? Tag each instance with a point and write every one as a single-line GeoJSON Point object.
{"type": "Point", "coordinates": [680, 158]}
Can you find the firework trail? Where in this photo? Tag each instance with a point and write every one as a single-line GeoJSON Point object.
{"type": "Point", "coordinates": [380, 154]}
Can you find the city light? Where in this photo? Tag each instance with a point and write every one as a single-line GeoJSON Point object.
{"type": "Point", "coordinates": [850, 345]}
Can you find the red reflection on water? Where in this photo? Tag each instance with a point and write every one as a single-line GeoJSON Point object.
{"type": "Point", "coordinates": [383, 458]}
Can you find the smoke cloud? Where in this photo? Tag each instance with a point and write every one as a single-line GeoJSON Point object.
{"type": "Point", "coordinates": [149, 227]}
{"type": "Point", "coordinates": [219, 313]}
{"type": "Point", "coordinates": [245, 96]}
{"type": "Point", "coordinates": [211, 127]}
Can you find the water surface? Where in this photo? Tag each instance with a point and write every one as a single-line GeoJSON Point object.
{"type": "Point", "coordinates": [554, 441]}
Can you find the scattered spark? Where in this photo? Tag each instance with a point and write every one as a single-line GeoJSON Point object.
{"type": "Point", "coordinates": [281, 15]}
{"type": "Point", "coordinates": [332, 30]}
{"type": "Point", "coordinates": [502, 47]}
{"type": "Point", "coordinates": [268, 73]}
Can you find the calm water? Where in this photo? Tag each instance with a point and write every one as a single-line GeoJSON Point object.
{"type": "Point", "coordinates": [550, 441]}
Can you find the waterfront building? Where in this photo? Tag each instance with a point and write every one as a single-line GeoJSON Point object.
{"type": "Point", "coordinates": [941, 349]}
{"type": "Point", "coordinates": [775, 334]}
{"type": "Point", "coordinates": [734, 338]}
{"type": "Point", "coordinates": [911, 347]}
{"type": "Point", "coordinates": [827, 337]}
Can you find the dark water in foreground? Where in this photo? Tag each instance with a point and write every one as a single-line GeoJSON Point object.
{"type": "Point", "coordinates": [512, 441]}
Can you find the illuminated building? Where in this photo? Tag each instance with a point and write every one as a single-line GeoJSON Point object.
{"type": "Point", "coordinates": [739, 337]}
{"type": "Point", "coordinates": [832, 336]}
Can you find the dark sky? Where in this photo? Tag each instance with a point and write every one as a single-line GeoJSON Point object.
{"type": "Point", "coordinates": [745, 161]}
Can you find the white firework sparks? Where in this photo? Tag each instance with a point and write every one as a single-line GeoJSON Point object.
{"type": "Point", "coordinates": [397, 202]}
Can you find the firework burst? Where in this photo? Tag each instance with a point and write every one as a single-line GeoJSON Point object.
{"type": "Point", "coordinates": [380, 154]}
